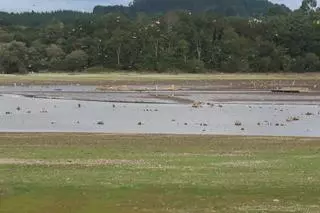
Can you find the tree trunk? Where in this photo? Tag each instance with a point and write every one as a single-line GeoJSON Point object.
{"type": "Point", "coordinates": [118, 54]}
{"type": "Point", "coordinates": [199, 50]}
{"type": "Point", "coordinates": [156, 46]}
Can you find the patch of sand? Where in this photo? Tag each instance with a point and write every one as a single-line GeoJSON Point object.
{"type": "Point", "coordinates": [247, 163]}
{"type": "Point", "coordinates": [90, 162]}
{"type": "Point", "coordinates": [281, 208]}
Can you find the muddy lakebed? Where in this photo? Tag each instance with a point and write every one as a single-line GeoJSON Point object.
{"type": "Point", "coordinates": [78, 108]}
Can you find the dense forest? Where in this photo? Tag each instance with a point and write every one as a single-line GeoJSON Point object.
{"type": "Point", "coordinates": [169, 38]}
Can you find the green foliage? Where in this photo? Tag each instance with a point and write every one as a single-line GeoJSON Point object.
{"type": "Point", "coordinates": [141, 37]}
{"type": "Point", "coordinates": [76, 60]}
{"type": "Point", "coordinates": [14, 57]}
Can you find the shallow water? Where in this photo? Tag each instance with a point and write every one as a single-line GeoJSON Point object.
{"type": "Point", "coordinates": [47, 115]}
{"type": "Point", "coordinates": [89, 93]}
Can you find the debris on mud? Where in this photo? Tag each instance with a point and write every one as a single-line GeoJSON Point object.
{"type": "Point", "coordinates": [309, 113]}
{"type": "Point", "coordinates": [290, 119]}
{"type": "Point", "coordinates": [8, 113]}
{"type": "Point", "coordinates": [18, 108]}
{"type": "Point", "coordinates": [44, 111]}
{"type": "Point", "coordinates": [28, 112]}
{"type": "Point", "coordinates": [237, 123]}
{"type": "Point", "coordinates": [140, 123]}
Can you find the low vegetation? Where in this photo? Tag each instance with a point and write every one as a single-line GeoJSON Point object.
{"type": "Point", "coordinates": [74, 173]}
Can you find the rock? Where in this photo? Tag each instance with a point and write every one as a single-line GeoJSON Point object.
{"type": "Point", "coordinates": [140, 123]}
{"type": "Point", "coordinates": [309, 113]}
{"type": "Point", "coordinates": [100, 123]}
{"type": "Point", "coordinates": [8, 113]}
{"type": "Point", "coordinates": [197, 105]}
{"type": "Point", "coordinates": [79, 105]}
{"type": "Point", "coordinates": [186, 124]}
{"type": "Point", "coordinates": [18, 108]}
{"type": "Point", "coordinates": [242, 129]}
{"type": "Point", "coordinates": [29, 111]}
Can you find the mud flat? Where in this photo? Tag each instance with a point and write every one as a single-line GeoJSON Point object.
{"type": "Point", "coordinates": [23, 114]}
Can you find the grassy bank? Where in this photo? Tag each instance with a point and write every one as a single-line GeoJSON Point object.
{"type": "Point", "coordinates": [70, 173]}
{"type": "Point", "coordinates": [49, 78]}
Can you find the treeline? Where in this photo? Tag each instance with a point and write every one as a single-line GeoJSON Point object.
{"type": "Point", "coordinates": [40, 19]}
{"type": "Point", "coordinates": [243, 8]}
{"type": "Point", "coordinates": [173, 42]}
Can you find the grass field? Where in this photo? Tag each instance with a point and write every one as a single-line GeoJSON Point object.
{"type": "Point", "coordinates": [68, 173]}
{"type": "Point", "coordinates": [47, 78]}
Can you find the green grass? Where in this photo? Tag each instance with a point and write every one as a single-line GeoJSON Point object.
{"type": "Point", "coordinates": [47, 78]}
{"type": "Point", "coordinates": [78, 173]}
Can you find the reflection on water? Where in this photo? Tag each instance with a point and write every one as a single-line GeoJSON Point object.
{"type": "Point", "coordinates": [43, 115]}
